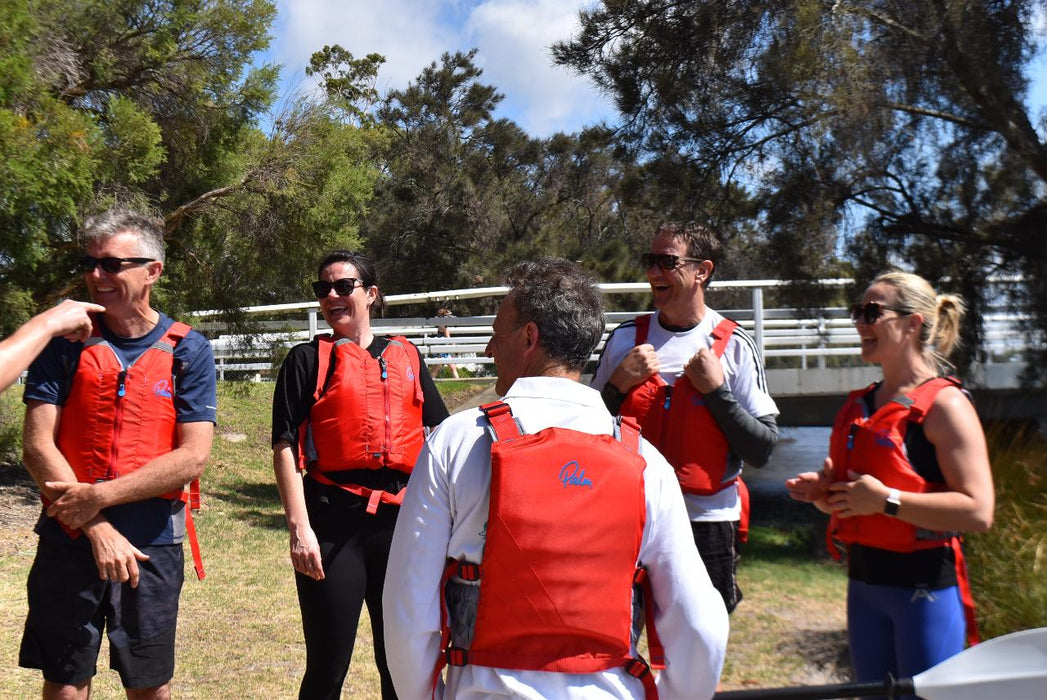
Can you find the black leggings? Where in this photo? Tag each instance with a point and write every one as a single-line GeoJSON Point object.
{"type": "Point", "coordinates": [355, 550]}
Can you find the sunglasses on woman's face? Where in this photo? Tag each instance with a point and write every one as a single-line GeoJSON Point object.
{"type": "Point", "coordinates": [343, 287]}
{"type": "Point", "coordinates": [664, 261]}
{"type": "Point", "coordinates": [871, 311]}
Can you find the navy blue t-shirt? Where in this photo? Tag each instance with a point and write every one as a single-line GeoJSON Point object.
{"type": "Point", "coordinates": [154, 520]}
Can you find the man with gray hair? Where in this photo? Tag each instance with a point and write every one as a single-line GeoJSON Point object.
{"type": "Point", "coordinates": [536, 520]}
{"type": "Point", "coordinates": [116, 429]}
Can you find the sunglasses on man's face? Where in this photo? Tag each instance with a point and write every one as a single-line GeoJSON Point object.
{"type": "Point", "coordinates": [343, 287]}
{"type": "Point", "coordinates": [111, 265]}
{"type": "Point", "coordinates": [871, 311]}
{"type": "Point", "coordinates": [664, 261]}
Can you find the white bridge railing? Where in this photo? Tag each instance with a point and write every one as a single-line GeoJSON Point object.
{"type": "Point", "coordinates": [803, 340]}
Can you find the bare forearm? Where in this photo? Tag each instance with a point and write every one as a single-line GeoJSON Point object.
{"type": "Point", "coordinates": [289, 484]}
{"type": "Point", "coordinates": [39, 452]}
{"type": "Point", "coordinates": [164, 474]}
{"type": "Point", "coordinates": [946, 511]}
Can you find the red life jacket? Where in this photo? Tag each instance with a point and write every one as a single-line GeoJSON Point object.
{"type": "Point", "coordinates": [875, 444]}
{"type": "Point", "coordinates": [118, 419]}
{"type": "Point", "coordinates": [367, 416]}
{"type": "Point", "coordinates": [566, 518]}
{"type": "Point", "coordinates": [676, 420]}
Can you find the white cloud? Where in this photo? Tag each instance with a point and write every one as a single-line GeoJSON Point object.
{"type": "Point", "coordinates": [513, 38]}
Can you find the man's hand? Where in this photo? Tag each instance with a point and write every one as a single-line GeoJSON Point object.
{"type": "Point", "coordinates": [70, 320]}
{"type": "Point", "coordinates": [116, 558]}
{"type": "Point", "coordinates": [78, 504]}
{"type": "Point", "coordinates": [305, 553]}
{"type": "Point", "coordinates": [638, 364]}
{"type": "Point", "coordinates": [705, 371]}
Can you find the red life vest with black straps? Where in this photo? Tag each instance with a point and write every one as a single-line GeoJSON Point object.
{"type": "Point", "coordinates": [117, 419]}
{"type": "Point", "coordinates": [875, 444]}
{"type": "Point", "coordinates": [367, 415]}
{"type": "Point", "coordinates": [676, 420]}
{"type": "Point", "coordinates": [566, 518]}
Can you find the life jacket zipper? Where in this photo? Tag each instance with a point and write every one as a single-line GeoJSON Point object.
{"type": "Point", "coordinates": [388, 404]}
{"type": "Point", "coordinates": [118, 420]}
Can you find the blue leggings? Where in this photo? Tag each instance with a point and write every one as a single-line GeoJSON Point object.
{"type": "Point", "coordinates": [902, 631]}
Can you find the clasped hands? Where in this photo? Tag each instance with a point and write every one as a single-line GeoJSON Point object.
{"type": "Point", "coordinates": [703, 369]}
{"type": "Point", "coordinates": [861, 494]}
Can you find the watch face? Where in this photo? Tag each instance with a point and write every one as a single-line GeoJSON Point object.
{"type": "Point", "coordinates": [890, 506]}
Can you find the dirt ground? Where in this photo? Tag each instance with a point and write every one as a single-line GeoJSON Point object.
{"type": "Point", "coordinates": [19, 509]}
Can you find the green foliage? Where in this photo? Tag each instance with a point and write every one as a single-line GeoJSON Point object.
{"type": "Point", "coordinates": [10, 425]}
{"type": "Point", "coordinates": [1007, 563]}
{"type": "Point", "coordinates": [134, 150]}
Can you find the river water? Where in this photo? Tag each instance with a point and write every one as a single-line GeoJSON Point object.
{"type": "Point", "coordinates": [798, 450]}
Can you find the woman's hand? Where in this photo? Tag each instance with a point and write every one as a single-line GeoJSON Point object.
{"type": "Point", "coordinates": [812, 487]}
{"type": "Point", "coordinates": [863, 494]}
{"type": "Point", "coordinates": [305, 553]}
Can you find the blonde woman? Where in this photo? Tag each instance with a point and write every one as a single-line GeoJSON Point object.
{"type": "Point", "coordinates": [907, 471]}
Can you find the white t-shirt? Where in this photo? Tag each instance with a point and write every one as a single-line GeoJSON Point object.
{"type": "Point", "coordinates": [444, 515]}
{"type": "Point", "coordinates": [742, 371]}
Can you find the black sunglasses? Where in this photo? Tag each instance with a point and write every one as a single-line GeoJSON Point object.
{"type": "Point", "coordinates": [664, 261]}
{"type": "Point", "coordinates": [343, 287]}
{"type": "Point", "coordinates": [110, 265]}
{"type": "Point", "coordinates": [870, 312]}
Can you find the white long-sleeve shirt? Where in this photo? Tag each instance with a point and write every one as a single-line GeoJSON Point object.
{"type": "Point", "coordinates": [444, 514]}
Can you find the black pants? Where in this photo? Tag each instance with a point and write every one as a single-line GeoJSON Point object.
{"type": "Point", "coordinates": [718, 545]}
{"type": "Point", "coordinates": [355, 550]}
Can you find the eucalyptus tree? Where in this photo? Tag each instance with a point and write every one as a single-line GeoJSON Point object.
{"type": "Point", "coordinates": [898, 131]}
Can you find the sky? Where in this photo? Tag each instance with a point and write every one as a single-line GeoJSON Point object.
{"type": "Point", "coordinates": [512, 37]}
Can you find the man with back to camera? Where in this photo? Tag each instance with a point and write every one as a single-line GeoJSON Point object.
{"type": "Point", "coordinates": [115, 429]}
{"type": "Point", "coordinates": [695, 383]}
{"type": "Point", "coordinates": [542, 515]}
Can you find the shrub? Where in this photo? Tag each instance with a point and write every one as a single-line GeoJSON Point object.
{"type": "Point", "coordinates": [1008, 564]}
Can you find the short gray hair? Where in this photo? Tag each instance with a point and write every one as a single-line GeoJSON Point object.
{"type": "Point", "coordinates": [564, 302]}
{"type": "Point", "coordinates": [148, 229]}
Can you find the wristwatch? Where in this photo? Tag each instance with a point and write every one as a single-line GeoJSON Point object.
{"type": "Point", "coordinates": [893, 502]}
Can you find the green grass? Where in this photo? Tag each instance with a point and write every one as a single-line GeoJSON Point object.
{"type": "Point", "coordinates": [240, 631]}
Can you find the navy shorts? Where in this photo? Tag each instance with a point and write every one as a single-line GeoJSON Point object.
{"type": "Point", "coordinates": [69, 606]}
{"type": "Point", "coordinates": [717, 542]}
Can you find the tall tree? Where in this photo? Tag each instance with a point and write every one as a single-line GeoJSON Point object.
{"type": "Point", "coordinates": [139, 103]}
{"type": "Point", "coordinates": [901, 125]}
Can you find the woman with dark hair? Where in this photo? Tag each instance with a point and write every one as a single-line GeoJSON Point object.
{"type": "Point", "coordinates": [352, 410]}
{"type": "Point", "coordinates": [907, 471]}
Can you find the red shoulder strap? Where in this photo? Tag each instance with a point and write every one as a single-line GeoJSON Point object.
{"type": "Point", "coordinates": [500, 415]}
{"type": "Point", "coordinates": [324, 350]}
{"type": "Point", "coordinates": [630, 432]}
{"type": "Point", "coordinates": [178, 331]}
{"type": "Point", "coordinates": [923, 396]}
{"type": "Point", "coordinates": [721, 335]}
{"type": "Point", "coordinates": [643, 327]}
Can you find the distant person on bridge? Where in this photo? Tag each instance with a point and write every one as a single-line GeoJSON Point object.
{"type": "Point", "coordinates": [445, 332]}
{"type": "Point", "coordinates": [536, 519]}
{"type": "Point", "coordinates": [907, 470]}
{"type": "Point", "coordinates": [695, 382]}
{"type": "Point", "coordinates": [352, 410]}
{"type": "Point", "coordinates": [68, 320]}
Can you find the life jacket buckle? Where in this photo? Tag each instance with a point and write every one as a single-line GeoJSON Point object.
{"type": "Point", "coordinates": [456, 656]}
{"type": "Point", "coordinates": [637, 668]}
